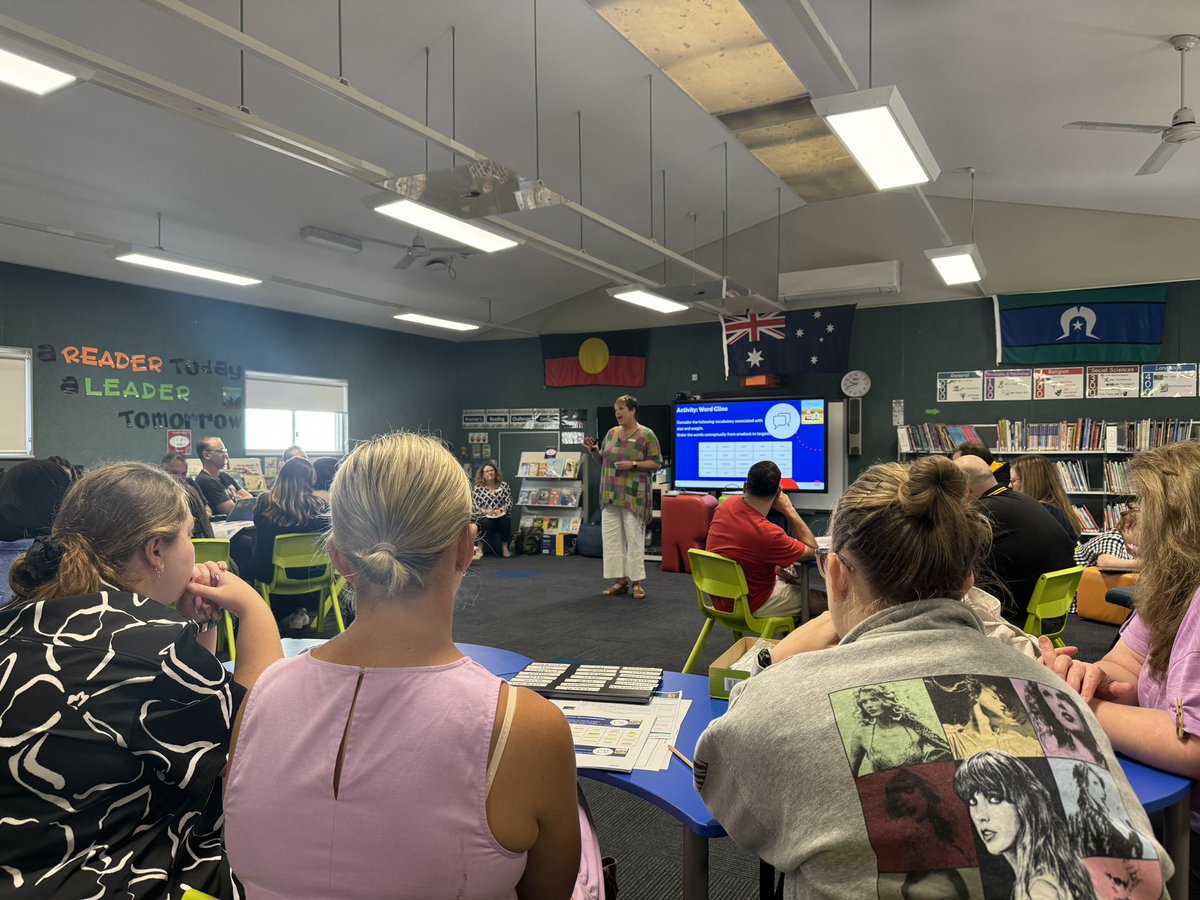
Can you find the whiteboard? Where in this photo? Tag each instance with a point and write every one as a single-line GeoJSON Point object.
{"type": "Point", "coordinates": [16, 402]}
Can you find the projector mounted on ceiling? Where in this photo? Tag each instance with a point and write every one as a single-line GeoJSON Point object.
{"type": "Point", "coordinates": [862, 280]}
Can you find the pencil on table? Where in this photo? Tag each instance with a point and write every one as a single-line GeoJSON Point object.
{"type": "Point", "coordinates": [686, 761]}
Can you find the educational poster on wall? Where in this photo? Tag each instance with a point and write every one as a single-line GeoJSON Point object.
{"type": "Point", "coordinates": [474, 418]}
{"type": "Point", "coordinates": [496, 418]}
{"type": "Point", "coordinates": [1008, 384]}
{"type": "Point", "coordinates": [574, 419]}
{"type": "Point", "coordinates": [534, 419]}
{"type": "Point", "coordinates": [247, 471]}
{"type": "Point", "coordinates": [1064, 383]}
{"type": "Point", "coordinates": [477, 437]}
{"type": "Point", "coordinates": [960, 387]}
{"type": "Point", "coordinates": [1108, 382]}
{"type": "Point", "coordinates": [571, 438]}
{"type": "Point", "coordinates": [1174, 380]}
{"type": "Point", "coordinates": [179, 440]}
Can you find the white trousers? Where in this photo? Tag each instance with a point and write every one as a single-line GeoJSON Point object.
{"type": "Point", "coordinates": [624, 543]}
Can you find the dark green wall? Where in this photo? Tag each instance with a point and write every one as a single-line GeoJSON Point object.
{"type": "Point", "coordinates": [395, 379]}
{"type": "Point", "coordinates": [399, 380]}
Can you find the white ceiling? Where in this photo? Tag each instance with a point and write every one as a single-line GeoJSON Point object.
{"type": "Point", "coordinates": [990, 84]}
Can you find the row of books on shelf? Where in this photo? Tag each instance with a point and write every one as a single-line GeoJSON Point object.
{"type": "Point", "coordinates": [557, 467]}
{"type": "Point", "coordinates": [1074, 476]}
{"type": "Point", "coordinates": [1128, 436]}
{"type": "Point", "coordinates": [1108, 522]}
{"type": "Point", "coordinates": [1082, 434]}
{"type": "Point", "coordinates": [548, 497]}
{"type": "Point", "coordinates": [930, 437]}
{"type": "Point", "coordinates": [553, 524]}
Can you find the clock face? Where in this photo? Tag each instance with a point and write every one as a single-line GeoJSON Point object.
{"type": "Point", "coordinates": [856, 383]}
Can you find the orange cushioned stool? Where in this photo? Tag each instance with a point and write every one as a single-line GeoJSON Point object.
{"type": "Point", "coordinates": [685, 521]}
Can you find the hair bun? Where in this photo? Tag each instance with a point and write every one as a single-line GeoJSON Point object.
{"type": "Point", "coordinates": [932, 481]}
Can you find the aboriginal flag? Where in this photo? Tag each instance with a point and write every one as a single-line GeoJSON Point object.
{"type": "Point", "coordinates": [610, 357]}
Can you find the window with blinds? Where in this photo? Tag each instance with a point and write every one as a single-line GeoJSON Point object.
{"type": "Point", "coordinates": [282, 410]}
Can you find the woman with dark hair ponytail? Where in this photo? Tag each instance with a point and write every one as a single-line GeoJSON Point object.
{"type": "Point", "coordinates": [115, 715]}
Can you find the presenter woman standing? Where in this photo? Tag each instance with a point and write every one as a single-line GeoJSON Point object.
{"type": "Point", "coordinates": [627, 455]}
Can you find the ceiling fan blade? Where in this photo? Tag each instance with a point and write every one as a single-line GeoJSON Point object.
{"type": "Point", "coordinates": [405, 262]}
{"type": "Point", "coordinates": [1117, 126]}
{"type": "Point", "coordinates": [457, 251]}
{"type": "Point", "coordinates": [1159, 158]}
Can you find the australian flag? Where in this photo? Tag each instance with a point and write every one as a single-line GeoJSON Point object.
{"type": "Point", "coordinates": [788, 343]}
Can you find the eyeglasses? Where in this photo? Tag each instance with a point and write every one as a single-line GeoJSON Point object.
{"type": "Point", "coordinates": [823, 554]}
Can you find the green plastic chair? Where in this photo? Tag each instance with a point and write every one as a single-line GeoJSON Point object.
{"type": "Point", "coordinates": [1052, 596]}
{"type": "Point", "coordinates": [193, 894]}
{"type": "Point", "coordinates": [304, 551]}
{"type": "Point", "coordinates": [717, 576]}
{"type": "Point", "coordinates": [217, 550]}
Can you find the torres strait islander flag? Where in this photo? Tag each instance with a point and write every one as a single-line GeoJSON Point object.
{"type": "Point", "coordinates": [611, 357]}
{"type": "Point", "coordinates": [1123, 324]}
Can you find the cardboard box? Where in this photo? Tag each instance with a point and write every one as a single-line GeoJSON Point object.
{"type": "Point", "coordinates": [564, 544]}
{"type": "Point", "coordinates": [721, 678]}
{"type": "Point", "coordinates": [548, 544]}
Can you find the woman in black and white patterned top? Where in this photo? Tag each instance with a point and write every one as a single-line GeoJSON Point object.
{"type": "Point", "coordinates": [115, 715]}
{"type": "Point", "coordinates": [491, 502]}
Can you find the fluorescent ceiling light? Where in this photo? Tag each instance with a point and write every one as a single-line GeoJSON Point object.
{"type": "Point", "coordinates": [960, 264]}
{"type": "Point", "coordinates": [22, 72]}
{"type": "Point", "coordinates": [332, 239]}
{"type": "Point", "coordinates": [183, 265]}
{"type": "Point", "coordinates": [878, 130]}
{"type": "Point", "coordinates": [436, 322]}
{"type": "Point", "coordinates": [639, 296]}
{"type": "Point", "coordinates": [429, 219]}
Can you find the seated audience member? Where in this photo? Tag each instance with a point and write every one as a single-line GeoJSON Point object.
{"type": "Point", "coordinates": [741, 532]}
{"type": "Point", "coordinates": [491, 507]}
{"type": "Point", "coordinates": [290, 507]}
{"type": "Point", "coordinates": [434, 778]}
{"type": "Point", "coordinates": [217, 487]}
{"type": "Point", "coordinates": [175, 465]}
{"type": "Point", "coordinates": [1026, 540]}
{"type": "Point", "coordinates": [884, 794]}
{"type": "Point", "coordinates": [116, 714]}
{"type": "Point", "coordinates": [30, 494]}
{"type": "Point", "coordinates": [1114, 549]}
{"type": "Point", "coordinates": [1000, 469]}
{"type": "Point", "coordinates": [324, 468]}
{"type": "Point", "coordinates": [293, 451]}
{"type": "Point", "coordinates": [1037, 477]}
{"type": "Point", "coordinates": [1145, 691]}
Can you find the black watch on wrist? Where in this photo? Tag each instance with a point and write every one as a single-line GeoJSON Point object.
{"type": "Point", "coordinates": [764, 657]}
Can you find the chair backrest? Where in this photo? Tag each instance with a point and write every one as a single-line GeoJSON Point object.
{"type": "Point", "coordinates": [1047, 613]}
{"type": "Point", "coordinates": [211, 549]}
{"type": "Point", "coordinates": [718, 576]}
{"type": "Point", "coordinates": [1090, 597]}
{"type": "Point", "coordinates": [300, 551]}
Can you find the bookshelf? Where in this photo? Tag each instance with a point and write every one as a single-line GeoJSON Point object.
{"type": "Point", "coordinates": [553, 492]}
{"type": "Point", "coordinates": [1090, 455]}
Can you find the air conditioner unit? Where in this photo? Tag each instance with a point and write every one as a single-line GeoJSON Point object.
{"type": "Point", "coordinates": [841, 281]}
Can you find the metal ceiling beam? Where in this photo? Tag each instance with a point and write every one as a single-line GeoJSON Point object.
{"type": "Point", "coordinates": [352, 95]}
{"type": "Point", "coordinates": [138, 85]}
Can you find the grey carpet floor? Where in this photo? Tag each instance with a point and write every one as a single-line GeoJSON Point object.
{"type": "Point", "coordinates": [550, 608]}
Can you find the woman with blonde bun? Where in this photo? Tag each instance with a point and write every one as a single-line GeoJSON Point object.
{"type": "Point", "coordinates": [428, 776]}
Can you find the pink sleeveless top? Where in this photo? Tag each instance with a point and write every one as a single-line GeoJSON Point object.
{"type": "Point", "coordinates": [409, 819]}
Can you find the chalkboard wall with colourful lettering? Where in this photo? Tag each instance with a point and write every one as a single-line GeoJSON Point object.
{"type": "Point", "coordinates": [115, 367]}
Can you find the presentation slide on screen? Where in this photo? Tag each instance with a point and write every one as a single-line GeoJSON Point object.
{"type": "Point", "coordinates": [717, 442]}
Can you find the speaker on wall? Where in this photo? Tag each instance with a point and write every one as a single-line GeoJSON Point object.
{"type": "Point", "coordinates": [854, 426]}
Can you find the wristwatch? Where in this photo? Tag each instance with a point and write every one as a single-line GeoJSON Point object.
{"type": "Point", "coordinates": [764, 657]}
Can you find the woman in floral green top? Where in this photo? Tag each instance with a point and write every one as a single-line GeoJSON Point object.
{"type": "Point", "coordinates": [627, 455]}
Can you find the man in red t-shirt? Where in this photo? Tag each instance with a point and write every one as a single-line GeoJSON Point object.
{"type": "Point", "coordinates": [740, 531]}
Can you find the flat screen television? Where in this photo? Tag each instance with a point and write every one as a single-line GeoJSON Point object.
{"type": "Point", "coordinates": [717, 441]}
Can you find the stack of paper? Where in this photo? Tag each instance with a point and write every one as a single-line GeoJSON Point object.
{"type": "Point", "coordinates": [620, 737]}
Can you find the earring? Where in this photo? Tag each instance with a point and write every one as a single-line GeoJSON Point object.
{"type": "Point", "coordinates": [158, 570]}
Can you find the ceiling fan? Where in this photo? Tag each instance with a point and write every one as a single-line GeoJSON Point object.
{"type": "Point", "coordinates": [1183, 127]}
{"type": "Point", "coordinates": [417, 250]}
